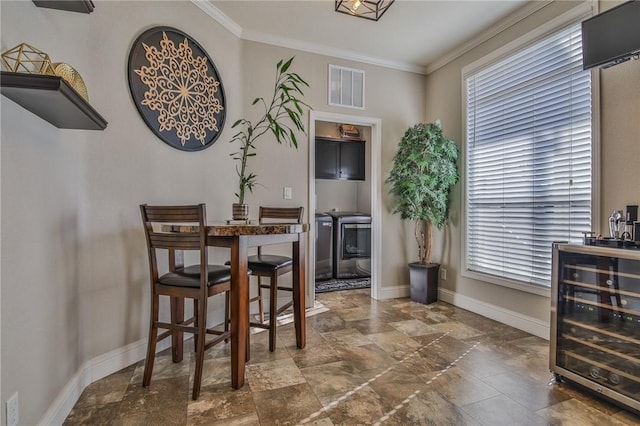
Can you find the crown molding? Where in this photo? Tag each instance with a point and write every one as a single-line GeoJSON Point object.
{"type": "Point", "coordinates": [208, 8]}
{"type": "Point", "coordinates": [329, 51]}
{"type": "Point", "coordinates": [255, 36]}
{"type": "Point", "coordinates": [228, 23]}
{"type": "Point", "coordinates": [517, 16]}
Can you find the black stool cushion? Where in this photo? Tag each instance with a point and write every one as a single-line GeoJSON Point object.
{"type": "Point", "coordinates": [268, 262]}
{"type": "Point", "coordinates": [190, 276]}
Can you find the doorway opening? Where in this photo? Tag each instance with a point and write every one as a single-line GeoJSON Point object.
{"type": "Point", "coordinates": [353, 205]}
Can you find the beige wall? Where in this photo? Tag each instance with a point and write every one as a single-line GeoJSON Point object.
{"type": "Point", "coordinates": [74, 268]}
{"type": "Point", "coordinates": [620, 153]}
{"type": "Point", "coordinates": [395, 97]}
{"type": "Point", "coordinates": [74, 275]}
{"type": "Point", "coordinates": [620, 133]}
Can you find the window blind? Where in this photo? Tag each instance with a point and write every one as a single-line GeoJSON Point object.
{"type": "Point", "coordinates": [528, 158]}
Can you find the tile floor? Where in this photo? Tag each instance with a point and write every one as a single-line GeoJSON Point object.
{"type": "Point", "coordinates": [366, 362]}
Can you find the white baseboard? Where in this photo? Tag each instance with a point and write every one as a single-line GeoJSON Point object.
{"type": "Point", "coordinates": [93, 370]}
{"type": "Point", "coordinates": [394, 292]}
{"type": "Point", "coordinates": [514, 319]}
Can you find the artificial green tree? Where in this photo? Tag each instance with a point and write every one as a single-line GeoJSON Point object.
{"type": "Point", "coordinates": [423, 173]}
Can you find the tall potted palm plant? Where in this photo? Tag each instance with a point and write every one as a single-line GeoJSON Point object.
{"type": "Point", "coordinates": [282, 114]}
{"type": "Point", "coordinates": [423, 173]}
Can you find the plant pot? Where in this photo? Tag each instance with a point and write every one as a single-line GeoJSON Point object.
{"type": "Point", "coordinates": [423, 278]}
{"type": "Point", "coordinates": [240, 211]}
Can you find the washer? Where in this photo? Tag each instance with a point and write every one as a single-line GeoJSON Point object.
{"type": "Point", "coordinates": [324, 246]}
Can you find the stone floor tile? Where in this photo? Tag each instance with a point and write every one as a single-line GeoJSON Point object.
{"type": "Point", "coordinates": [429, 408]}
{"type": "Point", "coordinates": [274, 375]}
{"type": "Point", "coordinates": [525, 391]}
{"type": "Point", "coordinates": [346, 337]}
{"type": "Point", "coordinates": [397, 384]}
{"type": "Point", "coordinates": [221, 402]}
{"type": "Point", "coordinates": [287, 406]}
{"type": "Point", "coordinates": [413, 327]}
{"type": "Point", "coordinates": [110, 389]}
{"type": "Point", "coordinates": [364, 358]}
{"type": "Point", "coordinates": [395, 343]}
{"type": "Point", "coordinates": [575, 413]}
{"type": "Point", "coordinates": [164, 367]}
{"type": "Point", "coordinates": [334, 378]}
{"type": "Point", "coordinates": [397, 362]}
{"type": "Point", "coordinates": [502, 411]}
{"type": "Point", "coordinates": [93, 414]}
{"type": "Point", "coordinates": [363, 407]}
{"type": "Point", "coordinates": [461, 388]}
{"type": "Point", "coordinates": [163, 402]}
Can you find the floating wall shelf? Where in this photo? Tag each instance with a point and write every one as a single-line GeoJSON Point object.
{"type": "Point", "coordinates": [82, 6]}
{"type": "Point", "coordinates": [52, 99]}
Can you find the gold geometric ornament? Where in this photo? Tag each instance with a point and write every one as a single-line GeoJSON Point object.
{"type": "Point", "coordinates": [25, 58]}
{"type": "Point", "coordinates": [71, 76]}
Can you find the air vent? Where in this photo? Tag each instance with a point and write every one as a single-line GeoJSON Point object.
{"type": "Point", "coordinates": [346, 87]}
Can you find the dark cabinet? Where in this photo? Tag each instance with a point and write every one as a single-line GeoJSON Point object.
{"type": "Point", "coordinates": [340, 159]}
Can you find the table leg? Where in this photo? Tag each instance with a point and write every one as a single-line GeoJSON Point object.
{"type": "Point", "coordinates": [299, 291]}
{"type": "Point", "coordinates": [177, 337]}
{"type": "Point", "coordinates": [239, 310]}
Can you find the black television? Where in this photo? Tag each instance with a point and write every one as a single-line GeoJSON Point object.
{"type": "Point", "coordinates": [611, 37]}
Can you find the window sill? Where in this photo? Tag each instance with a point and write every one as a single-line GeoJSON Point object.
{"type": "Point", "coordinates": [491, 279]}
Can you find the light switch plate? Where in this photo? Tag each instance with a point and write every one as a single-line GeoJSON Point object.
{"type": "Point", "coordinates": [287, 193]}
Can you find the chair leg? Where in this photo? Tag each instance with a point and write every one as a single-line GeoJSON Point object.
{"type": "Point", "coordinates": [227, 312]}
{"type": "Point", "coordinates": [195, 324]}
{"type": "Point", "coordinates": [153, 338]}
{"type": "Point", "coordinates": [260, 304]}
{"type": "Point", "coordinates": [247, 357]}
{"type": "Point", "coordinates": [201, 333]}
{"type": "Point", "coordinates": [227, 303]}
{"type": "Point", "coordinates": [273, 310]}
{"type": "Point", "coordinates": [177, 337]}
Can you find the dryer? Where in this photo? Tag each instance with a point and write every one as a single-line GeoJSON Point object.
{"type": "Point", "coordinates": [351, 244]}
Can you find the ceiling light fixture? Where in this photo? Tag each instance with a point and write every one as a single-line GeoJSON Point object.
{"type": "Point", "coordinates": [367, 9]}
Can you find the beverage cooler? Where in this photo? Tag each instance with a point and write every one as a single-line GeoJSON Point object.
{"type": "Point", "coordinates": [595, 320]}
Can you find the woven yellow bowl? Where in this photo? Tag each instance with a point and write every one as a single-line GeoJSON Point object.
{"type": "Point", "coordinates": [71, 76]}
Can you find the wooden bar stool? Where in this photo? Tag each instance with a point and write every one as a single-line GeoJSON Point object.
{"type": "Point", "coordinates": [197, 282]}
{"type": "Point", "coordinates": [272, 266]}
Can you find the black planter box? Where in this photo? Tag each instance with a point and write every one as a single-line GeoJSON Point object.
{"type": "Point", "coordinates": [423, 278]}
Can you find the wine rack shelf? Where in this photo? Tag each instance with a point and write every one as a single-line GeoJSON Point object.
{"type": "Point", "coordinates": [595, 320]}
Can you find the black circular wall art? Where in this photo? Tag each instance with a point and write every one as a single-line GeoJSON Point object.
{"type": "Point", "coordinates": [176, 89]}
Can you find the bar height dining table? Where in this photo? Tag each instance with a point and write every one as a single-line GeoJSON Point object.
{"type": "Point", "coordinates": [239, 238]}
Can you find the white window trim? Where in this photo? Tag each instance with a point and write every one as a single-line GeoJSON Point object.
{"type": "Point", "coordinates": [577, 14]}
{"type": "Point", "coordinates": [340, 67]}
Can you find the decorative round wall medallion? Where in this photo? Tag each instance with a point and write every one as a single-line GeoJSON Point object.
{"type": "Point", "coordinates": [176, 89]}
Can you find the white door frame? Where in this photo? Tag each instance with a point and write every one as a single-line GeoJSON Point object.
{"type": "Point", "coordinates": [376, 190]}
